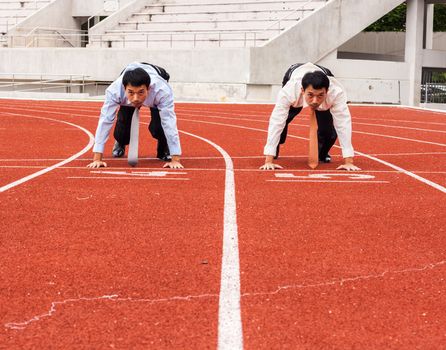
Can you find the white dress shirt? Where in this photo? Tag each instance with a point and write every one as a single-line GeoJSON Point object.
{"type": "Point", "coordinates": [160, 96]}
{"type": "Point", "coordinates": [291, 96]}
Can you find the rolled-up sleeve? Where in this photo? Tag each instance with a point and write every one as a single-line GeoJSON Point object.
{"type": "Point", "coordinates": [169, 123]}
{"type": "Point", "coordinates": [277, 122]}
{"type": "Point", "coordinates": [342, 122]}
{"type": "Point", "coordinates": [106, 120]}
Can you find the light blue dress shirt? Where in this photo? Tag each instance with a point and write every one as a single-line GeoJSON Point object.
{"type": "Point", "coordinates": [160, 96]}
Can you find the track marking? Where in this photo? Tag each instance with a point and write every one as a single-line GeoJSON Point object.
{"type": "Point", "coordinates": [297, 124]}
{"type": "Point", "coordinates": [235, 169]}
{"type": "Point", "coordinates": [46, 170]}
{"type": "Point", "coordinates": [332, 181]}
{"type": "Point", "coordinates": [213, 158]}
{"type": "Point", "coordinates": [127, 178]}
{"type": "Point", "coordinates": [326, 177]}
{"type": "Point", "coordinates": [406, 172]}
{"type": "Point", "coordinates": [354, 176]}
{"type": "Point", "coordinates": [342, 280]}
{"type": "Point", "coordinates": [305, 117]}
{"type": "Point", "coordinates": [230, 334]}
{"type": "Point", "coordinates": [112, 297]}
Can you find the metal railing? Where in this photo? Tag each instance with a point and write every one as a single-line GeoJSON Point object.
{"type": "Point", "coordinates": [25, 82]}
{"type": "Point", "coordinates": [48, 37]}
{"type": "Point", "coordinates": [433, 93]}
{"type": "Point", "coordinates": [110, 6]}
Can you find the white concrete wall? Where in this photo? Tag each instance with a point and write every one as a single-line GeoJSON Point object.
{"type": "Point", "coordinates": [387, 43]}
{"type": "Point", "coordinates": [316, 36]}
{"type": "Point", "coordinates": [124, 13]}
{"type": "Point", "coordinates": [55, 15]}
{"type": "Point", "coordinates": [84, 8]}
{"type": "Point", "coordinates": [227, 66]}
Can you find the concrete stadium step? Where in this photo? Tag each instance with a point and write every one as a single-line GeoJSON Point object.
{"type": "Point", "coordinates": [213, 16]}
{"type": "Point", "coordinates": [179, 44]}
{"type": "Point", "coordinates": [204, 25]}
{"type": "Point", "coordinates": [181, 39]}
{"type": "Point", "coordinates": [226, 6]}
{"type": "Point", "coordinates": [23, 4]}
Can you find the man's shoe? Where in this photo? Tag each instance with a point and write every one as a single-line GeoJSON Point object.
{"type": "Point", "coordinates": [165, 157]}
{"type": "Point", "coordinates": [118, 150]}
{"type": "Point", "coordinates": [162, 152]}
{"type": "Point", "coordinates": [326, 159]}
{"type": "Point", "coordinates": [277, 151]}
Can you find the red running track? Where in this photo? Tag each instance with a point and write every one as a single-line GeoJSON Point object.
{"type": "Point", "coordinates": [133, 258]}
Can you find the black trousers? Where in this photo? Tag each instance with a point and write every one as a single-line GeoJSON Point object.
{"type": "Point", "coordinates": [326, 133]}
{"type": "Point", "coordinates": [124, 122]}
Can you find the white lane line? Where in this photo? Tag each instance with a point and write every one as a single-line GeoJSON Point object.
{"type": "Point", "coordinates": [406, 172]}
{"type": "Point", "coordinates": [230, 334]}
{"type": "Point", "coordinates": [46, 170]}
{"type": "Point", "coordinates": [401, 138]}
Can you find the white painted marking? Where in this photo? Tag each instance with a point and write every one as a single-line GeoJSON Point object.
{"type": "Point", "coordinates": [127, 178]}
{"type": "Point", "coordinates": [354, 176]}
{"type": "Point", "coordinates": [331, 181]}
{"type": "Point", "coordinates": [139, 173]}
{"type": "Point", "coordinates": [408, 173]}
{"type": "Point", "coordinates": [230, 334]}
{"type": "Point", "coordinates": [46, 170]}
{"type": "Point", "coordinates": [400, 138]}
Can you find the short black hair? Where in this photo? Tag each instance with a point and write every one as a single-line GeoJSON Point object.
{"type": "Point", "coordinates": [136, 77]}
{"type": "Point", "coordinates": [317, 80]}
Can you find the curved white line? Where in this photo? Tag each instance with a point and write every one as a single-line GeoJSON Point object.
{"type": "Point", "coordinates": [46, 170]}
{"type": "Point", "coordinates": [404, 171]}
{"type": "Point", "coordinates": [230, 334]}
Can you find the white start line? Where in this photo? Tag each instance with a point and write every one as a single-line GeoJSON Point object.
{"type": "Point", "coordinates": [326, 177]}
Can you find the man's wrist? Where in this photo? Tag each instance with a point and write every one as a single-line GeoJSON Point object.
{"type": "Point", "coordinates": [269, 159]}
{"type": "Point", "coordinates": [176, 158]}
{"type": "Point", "coordinates": [97, 157]}
{"type": "Point", "coordinates": [348, 160]}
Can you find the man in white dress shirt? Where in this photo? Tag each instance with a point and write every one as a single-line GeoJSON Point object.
{"type": "Point", "coordinates": [140, 84]}
{"type": "Point", "coordinates": [313, 86]}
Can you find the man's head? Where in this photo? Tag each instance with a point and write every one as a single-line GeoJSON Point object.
{"type": "Point", "coordinates": [136, 84]}
{"type": "Point", "coordinates": [314, 88]}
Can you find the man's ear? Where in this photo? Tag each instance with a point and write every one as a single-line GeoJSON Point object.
{"type": "Point", "coordinates": [302, 90]}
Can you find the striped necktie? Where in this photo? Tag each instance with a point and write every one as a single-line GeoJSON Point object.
{"type": "Point", "coordinates": [313, 156]}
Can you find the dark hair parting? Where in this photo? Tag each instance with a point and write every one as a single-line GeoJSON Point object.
{"type": "Point", "coordinates": [317, 80]}
{"type": "Point", "coordinates": [136, 77]}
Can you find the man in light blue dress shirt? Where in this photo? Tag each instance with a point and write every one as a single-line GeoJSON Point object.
{"type": "Point", "coordinates": [140, 84]}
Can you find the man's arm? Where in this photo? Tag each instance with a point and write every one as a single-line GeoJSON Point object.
{"type": "Point", "coordinates": [169, 124]}
{"type": "Point", "coordinates": [277, 123]}
{"type": "Point", "coordinates": [106, 120]}
{"type": "Point", "coordinates": [343, 124]}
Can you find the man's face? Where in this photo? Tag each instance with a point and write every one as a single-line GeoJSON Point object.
{"type": "Point", "coordinates": [136, 94]}
{"type": "Point", "coordinates": [314, 97]}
